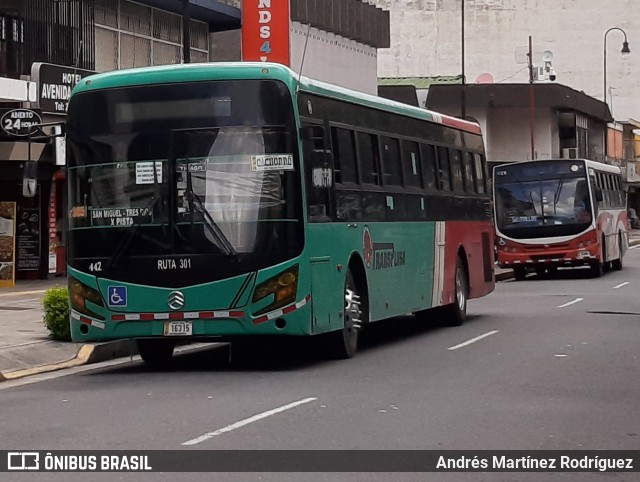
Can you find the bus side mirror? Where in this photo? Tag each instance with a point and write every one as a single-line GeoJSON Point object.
{"type": "Point", "coordinates": [30, 179]}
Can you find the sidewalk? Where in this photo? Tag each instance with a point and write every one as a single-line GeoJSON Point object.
{"type": "Point", "coordinates": [25, 346]}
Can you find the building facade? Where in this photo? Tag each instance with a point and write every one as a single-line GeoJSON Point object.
{"type": "Point", "coordinates": [426, 39]}
{"type": "Point", "coordinates": [47, 46]}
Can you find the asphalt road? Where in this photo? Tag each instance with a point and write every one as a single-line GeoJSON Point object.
{"type": "Point", "coordinates": [541, 364]}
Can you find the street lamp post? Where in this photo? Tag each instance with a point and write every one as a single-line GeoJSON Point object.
{"type": "Point", "coordinates": [625, 50]}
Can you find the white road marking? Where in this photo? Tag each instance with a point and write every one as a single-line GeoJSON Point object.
{"type": "Point", "coordinates": [247, 421]}
{"type": "Point", "coordinates": [473, 340]}
{"type": "Point", "coordinates": [621, 285]}
{"type": "Point", "coordinates": [577, 300]}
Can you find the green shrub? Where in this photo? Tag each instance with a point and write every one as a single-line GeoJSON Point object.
{"type": "Point", "coordinates": [56, 313]}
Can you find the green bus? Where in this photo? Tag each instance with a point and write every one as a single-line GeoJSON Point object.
{"type": "Point", "coordinates": [237, 201]}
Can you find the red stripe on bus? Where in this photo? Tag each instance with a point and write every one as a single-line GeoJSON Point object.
{"type": "Point", "coordinates": [236, 314]}
{"type": "Point", "coordinates": [207, 314]}
{"type": "Point", "coordinates": [147, 316]}
{"type": "Point", "coordinates": [118, 317]}
{"type": "Point", "coordinates": [461, 124]}
{"type": "Point", "coordinates": [289, 309]}
{"type": "Point", "coordinates": [262, 319]}
{"type": "Point", "coordinates": [85, 320]}
{"type": "Point", "coordinates": [176, 316]}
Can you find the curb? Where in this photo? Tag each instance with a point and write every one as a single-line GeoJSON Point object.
{"type": "Point", "coordinates": [92, 353]}
{"type": "Point", "coordinates": [504, 276]}
{"type": "Point", "coordinates": [88, 354]}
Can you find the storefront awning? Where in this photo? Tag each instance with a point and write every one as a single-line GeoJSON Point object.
{"type": "Point", "coordinates": [218, 15]}
{"type": "Point", "coordinates": [14, 90]}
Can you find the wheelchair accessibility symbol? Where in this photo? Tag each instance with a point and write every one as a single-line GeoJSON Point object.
{"type": "Point", "coordinates": [117, 296]}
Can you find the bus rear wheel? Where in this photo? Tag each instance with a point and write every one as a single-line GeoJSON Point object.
{"type": "Point", "coordinates": [456, 313]}
{"type": "Point", "coordinates": [156, 352]}
{"type": "Point", "coordinates": [343, 343]}
{"type": "Point", "coordinates": [616, 264]}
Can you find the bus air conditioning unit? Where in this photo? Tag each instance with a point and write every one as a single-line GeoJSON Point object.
{"type": "Point", "coordinates": [570, 153]}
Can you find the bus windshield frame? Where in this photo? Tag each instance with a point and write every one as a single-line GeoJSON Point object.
{"type": "Point", "coordinates": [543, 199]}
{"type": "Point", "coordinates": [176, 178]}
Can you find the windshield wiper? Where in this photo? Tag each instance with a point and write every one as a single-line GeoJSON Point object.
{"type": "Point", "coordinates": [208, 220]}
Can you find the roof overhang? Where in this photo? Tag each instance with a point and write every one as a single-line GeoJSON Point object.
{"type": "Point", "coordinates": [218, 15]}
{"type": "Point", "coordinates": [555, 96]}
{"type": "Point", "coordinates": [15, 90]}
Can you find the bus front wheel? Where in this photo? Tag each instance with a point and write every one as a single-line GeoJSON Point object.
{"type": "Point", "coordinates": [519, 273]}
{"type": "Point", "coordinates": [343, 343]}
{"type": "Point", "coordinates": [156, 352]}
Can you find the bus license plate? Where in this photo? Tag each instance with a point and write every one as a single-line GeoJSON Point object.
{"type": "Point", "coordinates": [178, 328]}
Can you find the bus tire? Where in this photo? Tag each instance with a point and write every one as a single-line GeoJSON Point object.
{"type": "Point", "coordinates": [519, 273]}
{"type": "Point", "coordinates": [598, 266]}
{"type": "Point", "coordinates": [343, 343]}
{"type": "Point", "coordinates": [616, 264]}
{"type": "Point", "coordinates": [455, 314]}
{"type": "Point", "coordinates": [156, 352]}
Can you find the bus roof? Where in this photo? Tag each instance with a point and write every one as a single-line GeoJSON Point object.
{"type": "Point", "coordinates": [599, 166]}
{"type": "Point", "coordinates": [260, 70]}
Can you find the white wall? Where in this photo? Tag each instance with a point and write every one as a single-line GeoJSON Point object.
{"type": "Point", "coordinates": [508, 134]}
{"type": "Point", "coordinates": [335, 59]}
{"type": "Point", "coordinates": [426, 41]}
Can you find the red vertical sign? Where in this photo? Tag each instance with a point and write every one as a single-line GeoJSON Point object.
{"type": "Point", "coordinates": [265, 31]}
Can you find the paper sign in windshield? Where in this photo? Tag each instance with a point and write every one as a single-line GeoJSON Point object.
{"type": "Point", "coordinates": [144, 173]}
{"type": "Point", "coordinates": [272, 162]}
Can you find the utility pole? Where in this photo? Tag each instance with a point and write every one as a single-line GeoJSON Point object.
{"type": "Point", "coordinates": [186, 31]}
{"type": "Point", "coordinates": [463, 93]}
{"type": "Point", "coordinates": [532, 102]}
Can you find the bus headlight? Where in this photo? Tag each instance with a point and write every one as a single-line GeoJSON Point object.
{"type": "Point", "coordinates": [80, 293]}
{"type": "Point", "coordinates": [283, 286]}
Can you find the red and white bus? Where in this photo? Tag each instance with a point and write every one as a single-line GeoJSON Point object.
{"type": "Point", "coordinates": [559, 212]}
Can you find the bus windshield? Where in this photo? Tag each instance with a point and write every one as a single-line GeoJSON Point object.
{"type": "Point", "coordinates": [552, 205]}
{"type": "Point", "coordinates": [191, 170]}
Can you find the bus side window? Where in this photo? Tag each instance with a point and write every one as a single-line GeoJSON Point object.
{"type": "Point", "coordinates": [368, 158]}
{"type": "Point", "coordinates": [344, 156]}
{"type": "Point", "coordinates": [469, 175]}
{"type": "Point", "coordinates": [455, 160]}
{"type": "Point", "coordinates": [480, 178]}
{"type": "Point", "coordinates": [444, 174]}
{"type": "Point", "coordinates": [318, 198]}
{"type": "Point", "coordinates": [391, 164]}
{"type": "Point", "coordinates": [428, 155]}
{"type": "Point", "coordinates": [411, 164]}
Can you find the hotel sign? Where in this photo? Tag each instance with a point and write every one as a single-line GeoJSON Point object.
{"type": "Point", "coordinates": [55, 83]}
